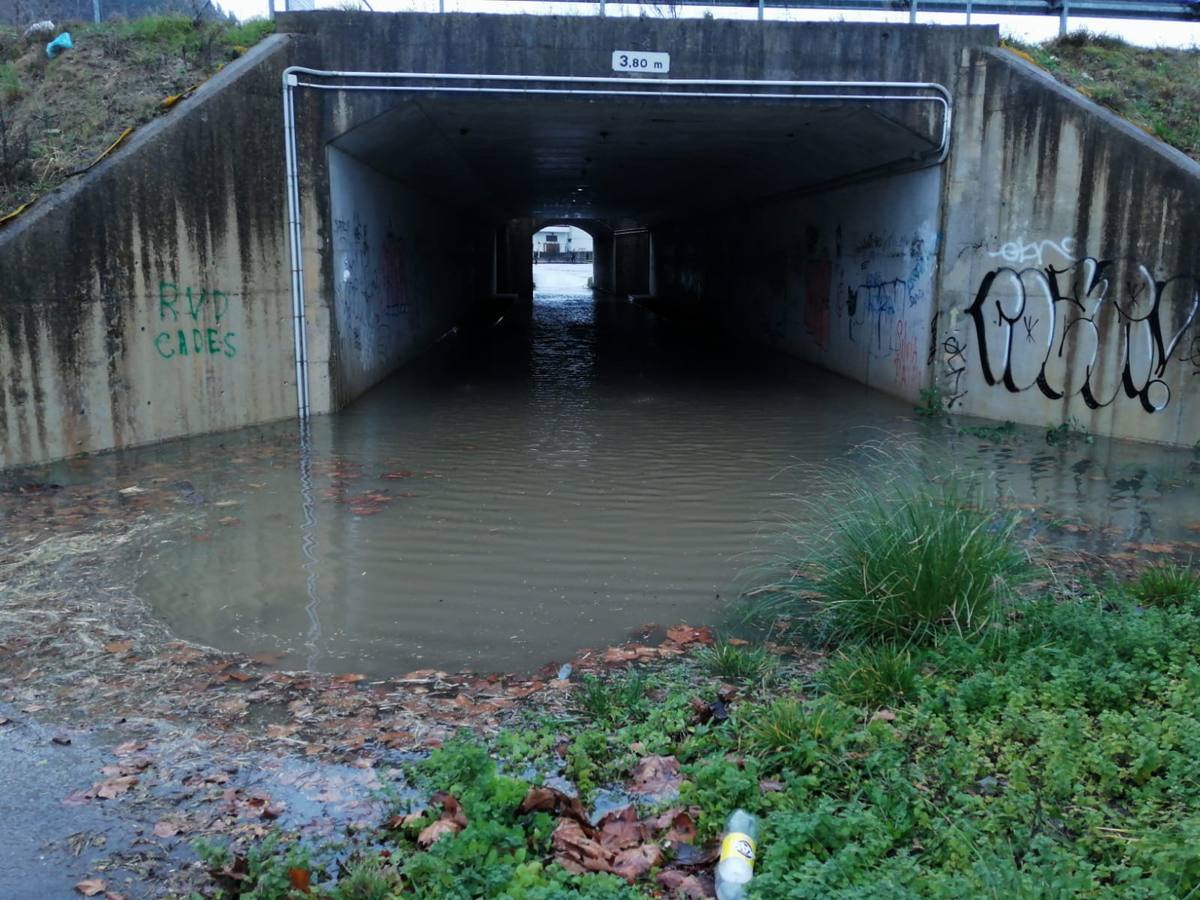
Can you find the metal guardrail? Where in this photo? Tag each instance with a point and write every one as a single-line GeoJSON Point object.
{"type": "Point", "coordinates": [1162, 10]}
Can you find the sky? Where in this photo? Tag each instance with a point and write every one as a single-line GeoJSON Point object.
{"type": "Point", "coordinates": [1028, 28]}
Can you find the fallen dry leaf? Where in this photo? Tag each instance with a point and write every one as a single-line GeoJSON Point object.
{"type": "Point", "coordinates": [576, 851]}
{"type": "Point", "coordinates": [90, 887]}
{"type": "Point", "coordinates": [884, 715]}
{"type": "Point", "coordinates": [635, 862]}
{"type": "Point", "coordinates": [681, 884]}
{"type": "Point", "coordinates": [114, 787]}
{"type": "Point", "coordinates": [620, 829]}
{"type": "Point", "coordinates": [545, 799]}
{"type": "Point", "coordinates": [118, 647]}
{"type": "Point", "coordinates": [431, 834]}
{"type": "Point", "coordinates": [656, 776]}
{"type": "Point", "coordinates": [166, 828]}
{"type": "Point", "coordinates": [679, 824]}
{"type": "Point", "coordinates": [686, 634]}
{"type": "Point", "coordinates": [452, 821]}
{"type": "Point", "coordinates": [299, 879]}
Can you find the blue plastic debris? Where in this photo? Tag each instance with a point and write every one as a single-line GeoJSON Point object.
{"type": "Point", "coordinates": [59, 44]}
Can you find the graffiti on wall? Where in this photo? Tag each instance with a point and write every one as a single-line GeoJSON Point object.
{"type": "Point", "coordinates": [954, 362]}
{"type": "Point", "coordinates": [1021, 251]}
{"type": "Point", "coordinates": [371, 275]}
{"type": "Point", "coordinates": [194, 323]}
{"type": "Point", "coordinates": [817, 275]}
{"type": "Point", "coordinates": [865, 298]}
{"type": "Point", "coordinates": [887, 294]}
{"type": "Point", "coordinates": [1100, 329]}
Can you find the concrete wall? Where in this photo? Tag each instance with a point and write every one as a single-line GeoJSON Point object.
{"type": "Point", "coordinates": [405, 270]}
{"type": "Point", "coordinates": [631, 262]}
{"type": "Point", "coordinates": [1069, 276]}
{"type": "Point", "coordinates": [149, 299]}
{"type": "Point", "coordinates": [842, 278]}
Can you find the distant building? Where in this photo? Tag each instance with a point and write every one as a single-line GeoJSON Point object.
{"type": "Point", "coordinates": [562, 243]}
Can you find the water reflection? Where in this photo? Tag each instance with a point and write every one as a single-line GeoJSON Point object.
{"type": "Point", "coordinates": [583, 468]}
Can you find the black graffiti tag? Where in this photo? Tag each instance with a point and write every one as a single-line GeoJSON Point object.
{"type": "Point", "coordinates": [1065, 316]}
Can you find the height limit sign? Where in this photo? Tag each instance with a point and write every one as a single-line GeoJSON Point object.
{"type": "Point", "coordinates": [640, 61]}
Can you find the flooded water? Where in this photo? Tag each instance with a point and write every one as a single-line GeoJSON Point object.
{"type": "Point", "coordinates": [581, 469]}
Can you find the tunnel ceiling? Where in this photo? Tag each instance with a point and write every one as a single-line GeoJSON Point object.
{"type": "Point", "coordinates": [647, 159]}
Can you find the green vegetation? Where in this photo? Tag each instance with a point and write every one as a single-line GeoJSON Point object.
{"type": "Point", "coordinates": [933, 403]}
{"type": "Point", "coordinates": [738, 662]}
{"type": "Point", "coordinates": [1068, 434]}
{"type": "Point", "coordinates": [962, 740]}
{"type": "Point", "coordinates": [905, 562]}
{"type": "Point", "coordinates": [1167, 584]}
{"type": "Point", "coordinates": [884, 675]}
{"type": "Point", "coordinates": [1051, 756]}
{"type": "Point", "coordinates": [612, 701]}
{"type": "Point", "coordinates": [998, 434]}
{"type": "Point", "coordinates": [1158, 90]}
{"type": "Point", "coordinates": [57, 116]}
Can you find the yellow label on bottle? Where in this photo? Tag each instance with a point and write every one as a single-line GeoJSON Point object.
{"type": "Point", "coordinates": [737, 846]}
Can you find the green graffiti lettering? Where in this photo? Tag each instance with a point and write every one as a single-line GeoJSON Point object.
{"type": "Point", "coordinates": [198, 341]}
{"type": "Point", "coordinates": [166, 305]}
{"type": "Point", "coordinates": [194, 309]}
{"type": "Point", "coordinates": [220, 302]}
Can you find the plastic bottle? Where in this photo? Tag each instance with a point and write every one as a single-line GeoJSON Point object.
{"type": "Point", "coordinates": [738, 849]}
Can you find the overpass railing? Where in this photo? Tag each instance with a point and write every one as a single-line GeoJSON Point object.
{"type": "Point", "coordinates": [1165, 10]}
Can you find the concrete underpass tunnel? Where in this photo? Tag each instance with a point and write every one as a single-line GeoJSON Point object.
{"type": "Point", "coordinates": [435, 200]}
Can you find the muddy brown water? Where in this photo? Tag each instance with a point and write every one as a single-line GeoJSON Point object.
{"type": "Point", "coordinates": [581, 469]}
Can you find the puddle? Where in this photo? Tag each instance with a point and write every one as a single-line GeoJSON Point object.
{"type": "Point", "coordinates": [582, 468]}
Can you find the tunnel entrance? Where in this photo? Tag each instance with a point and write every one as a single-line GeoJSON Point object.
{"type": "Point", "coordinates": [562, 261]}
{"type": "Point", "coordinates": [437, 184]}
{"type": "Point", "coordinates": [497, 497]}
{"type": "Point", "coordinates": [513, 495]}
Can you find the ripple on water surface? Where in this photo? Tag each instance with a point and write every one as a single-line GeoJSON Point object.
{"type": "Point", "coordinates": [583, 468]}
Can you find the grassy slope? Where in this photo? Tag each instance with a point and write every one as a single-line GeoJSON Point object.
{"type": "Point", "coordinates": [58, 115]}
{"type": "Point", "coordinates": [1157, 90]}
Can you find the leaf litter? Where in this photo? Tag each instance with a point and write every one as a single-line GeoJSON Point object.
{"type": "Point", "coordinates": [218, 745]}
{"type": "Point", "coordinates": [223, 745]}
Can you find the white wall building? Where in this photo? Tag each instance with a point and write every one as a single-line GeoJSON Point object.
{"type": "Point", "coordinates": [556, 239]}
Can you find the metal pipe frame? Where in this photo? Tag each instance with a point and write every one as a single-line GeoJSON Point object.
{"type": "Point", "coordinates": [518, 85]}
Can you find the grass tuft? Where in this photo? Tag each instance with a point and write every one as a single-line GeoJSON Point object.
{"type": "Point", "coordinates": [902, 561]}
{"type": "Point", "coordinates": [11, 87]}
{"type": "Point", "coordinates": [874, 676]}
{"type": "Point", "coordinates": [1167, 584]}
{"type": "Point", "coordinates": [612, 701]}
{"type": "Point", "coordinates": [796, 735]}
{"type": "Point", "coordinates": [737, 661]}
